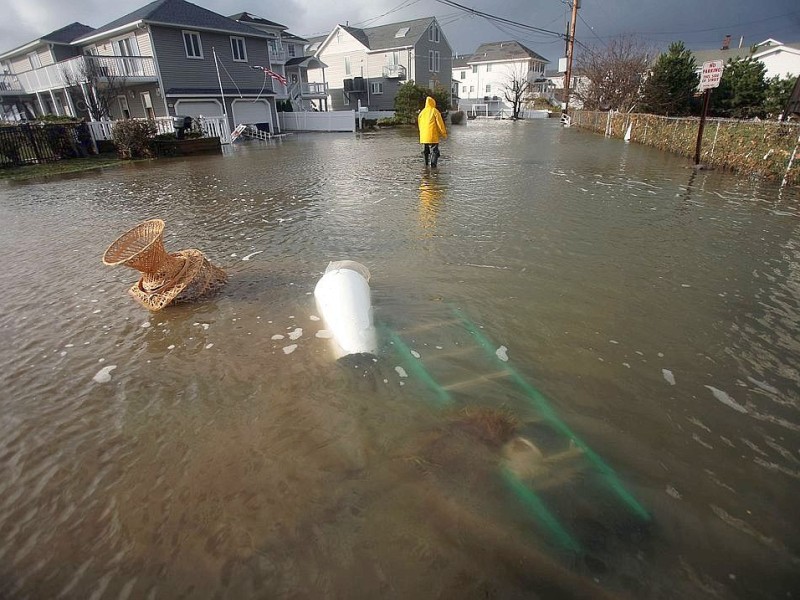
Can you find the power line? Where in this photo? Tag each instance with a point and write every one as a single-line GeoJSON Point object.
{"type": "Point", "coordinates": [497, 19]}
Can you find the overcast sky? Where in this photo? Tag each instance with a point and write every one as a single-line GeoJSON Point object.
{"type": "Point", "coordinates": [701, 24]}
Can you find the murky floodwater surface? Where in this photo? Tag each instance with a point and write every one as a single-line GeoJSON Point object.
{"type": "Point", "coordinates": [587, 384]}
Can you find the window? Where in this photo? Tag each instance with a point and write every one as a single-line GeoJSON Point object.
{"type": "Point", "coordinates": [474, 68]}
{"type": "Point", "coordinates": [471, 88]}
{"type": "Point", "coordinates": [238, 49]}
{"type": "Point", "coordinates": [431, 63]}
{"type": "Point", "coordinates": [147, 104]}
{"type": "Point", "coordinates": [345, 99]}
{"type": "Point", "coordinates": [488, 68]}
{"type": "Point", "coordinates": [123, 107]}
{"type": "Point", "coordinates": [393, 58]}
{"type": "Point", "coordinates": [376, 87]}
{"type": "Point", "coordinates": [347, 69]}
{"type": "Point", "coordinates": [433, 33]}
{"type": "Point", "coordinates": [192, 45]}
{"type": "Point", "coordinates": [437, 63]}
{"type": "Point", "coordinates": [464, 88]}
{"type": "Point", "coordinates": [402, 32]}
{"type": "Point", "coordinates": [33, 58]}
{"type": "Point", "coordinates": [463, 74]}
{"type": "Point", "coordinates": [488, 88]}
{"type": "Point", "coordinates": [292, 50]}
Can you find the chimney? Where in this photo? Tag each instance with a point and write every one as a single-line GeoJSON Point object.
{"type": "Point", "coordinates": [726, 43]}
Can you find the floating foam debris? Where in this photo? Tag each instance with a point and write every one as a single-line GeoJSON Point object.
{"type": "Point", "coordinates": [296, 333]}
{"type": "Point", "coordinates": [685, 285]}
{"type": "Point", "coordinates": [104, 374]}
{"type": "Point", "coordinates": [324, 334]}
{"type": "Point", "coordinates": [502, 353]}
{"type": "Point", "coordinates": [277, 336]}
{"type": "Point", "coordinates": [660, 355]}
{"type": "Point", "coordinates": [289, 349]}
{"type": "Point", "coordinates": [626, 365]}
{"type": "Point", "coordinates": [63, 353]}
{"type": "Point", "coordinates": [251, 255]}
{"type": "Point", "coordinates": [671, 491]}
{"type": "Point", "coordinates": [94, 312]}
{"type": "Point", "coordinates": [668, 376]}
{"type": "Point", "coordinates": [314, 317]}
{"type": "Point", "coordinates": [171, 347]}
{"type": "Point", "coordinates": [415, 354]}
{"type": "Point", "coordinates": [763, 385]}
{"type": "Point", "coordinates": [145, 325]}
{"type": "Point", "coordinates": [613, 342]}
{"type": "Point", "coordinates": [69, 345]}
{"type": "Point", "coordinates": [726, 399]}
{"type": "Point", "coordinates": [401, 371]}
{"type": "Point", "coordinates": [209, 346]}
{"type": "Point", "coordinates": [438, 347]}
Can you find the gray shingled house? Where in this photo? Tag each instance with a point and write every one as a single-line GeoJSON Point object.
{"type": "Point", "coordinates": [367, 66]}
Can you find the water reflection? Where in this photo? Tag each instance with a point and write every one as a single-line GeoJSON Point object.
{"type": "Point", "coordinates": [229, 455]}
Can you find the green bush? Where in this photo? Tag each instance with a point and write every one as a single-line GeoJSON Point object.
{"type": "Point", "coordinates": [132, 138]}
{"type": "Point", "coordinates": [410, 99]}
{"type": "Point", "coordinates": [389, 122]}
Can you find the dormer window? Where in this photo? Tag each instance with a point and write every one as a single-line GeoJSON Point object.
{"type": "Point", "coordinates": [402, 32]}
{"type": "Point", "coordinates": [192, 44]}
{"type": "Point", "coordinates": [238, 49]}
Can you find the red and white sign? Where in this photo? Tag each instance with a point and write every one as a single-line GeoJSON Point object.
{"type": "Point", "coordinates": [711, 74]}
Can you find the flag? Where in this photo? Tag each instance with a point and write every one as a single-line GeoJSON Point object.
{"type": "Point", "coordinates": [273, 74]}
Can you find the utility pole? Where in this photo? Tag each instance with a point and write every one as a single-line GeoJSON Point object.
{"type": "Point", "coordinates": [570, 53]}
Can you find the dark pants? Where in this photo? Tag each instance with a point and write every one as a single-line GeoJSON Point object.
{"type": "Point", "coordinates": [431, 149]}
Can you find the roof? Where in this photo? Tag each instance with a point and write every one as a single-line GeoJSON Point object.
{"type": "Point", "coordinates": [385, 37]}
{"type": "Point", "coordinates": [701, 56]}
{"type": "Point", "coordinates": [245, 17]}
{"type": "Point", "coordinates": [311, 62]}
{"type": "Point", "coordinates": [178, 13]}
{"type": "Point", "coordinates": [506, 50]}
{"type": "Point", "coordinates": [290, 36]}
{"type": "Point", "coordinates": [60, 36]}
{"type": "Point", "coordinates": [460, 61]}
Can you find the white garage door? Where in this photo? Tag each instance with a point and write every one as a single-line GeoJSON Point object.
{"type": "Point", "coordinates": [196, 108]}
{"type": "Point", "coordinates": [246, 112]}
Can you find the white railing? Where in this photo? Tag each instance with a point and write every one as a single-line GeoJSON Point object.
{"type": "Point", "coordinates": [394, 72]}
{"type": "Point", "coordinates": [280, 56]}
{"type": "Point", "coordinates": [10, 83]}
{"type": "Point", "coordinates": [313, 89]}
{"type": "Point", "coordinates": [210, 126]}
{"type": "Point", "coordinates": [83, 68]}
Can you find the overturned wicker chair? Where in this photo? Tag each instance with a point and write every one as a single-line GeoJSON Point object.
{"type": "Point", "coordinates": [182, 276]}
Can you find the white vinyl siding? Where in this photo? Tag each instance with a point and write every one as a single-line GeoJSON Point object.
{"type": "Point", "coordinates": [238, 49]}
{"type": "Point", "coordinates": [192, 44]}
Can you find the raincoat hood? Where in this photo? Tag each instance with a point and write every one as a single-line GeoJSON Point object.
{"type": "Point", "coordinates": [431, 125]}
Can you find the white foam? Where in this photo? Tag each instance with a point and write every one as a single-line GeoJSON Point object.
{"type": "Point", "coordinates": [324, 334]}
{"type": "Point", "coordinates": [296, 333]}
{"type": "Point", "coordinates": [209, 346]}
{"type": "Point", "coordinates": [314, 318]}
{"type": "Point", "coordinates": [671, 491]}
{"type": "Point", "coordinates": [670, 378]}
{"type": "Point", "coordinates": [401, 371]}
{"type": "Point", "coordinates": [726, 399]}
{"type": "Point", "coordinates": [251, 254]}
{"type": "Point", "coordinates": [415, 354]}
{"type": "Point", "coordinates": [146, 324]}
{"type": "Point", "coordinates": [277, 336]}
{"type": "Point", "coordinates": [764, 386]}
{"type": "Point", "coordinates": [171, 347]}
{"type": "Point", "coordinates": [289, 349]}
{"type": "Point", "coordinates": [502, 353]}
{"type": "Point", "coordinates": [104, 374]}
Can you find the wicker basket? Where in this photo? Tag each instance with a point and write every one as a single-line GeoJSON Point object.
{"type": "Point", "coordinates": [182, 276]}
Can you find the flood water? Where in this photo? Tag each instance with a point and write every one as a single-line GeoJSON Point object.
{"type": "Point", "coordinates": [635, 322]}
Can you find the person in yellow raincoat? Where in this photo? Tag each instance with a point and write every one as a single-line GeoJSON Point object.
{"type": "Point", "coordinates": [431, 129]}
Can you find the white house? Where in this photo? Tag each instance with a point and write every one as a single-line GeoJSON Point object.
{"type": "Point", "coordinates": [484, 75]}
{"type": "Point", "coordinates": [778, 58]}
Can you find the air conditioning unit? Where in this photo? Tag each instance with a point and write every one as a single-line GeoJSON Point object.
{"type": "Point", "coordinates": [348, 85]}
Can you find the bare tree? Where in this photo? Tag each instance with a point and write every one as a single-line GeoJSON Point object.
{"type": "Point", "coordinates": [100, 83]}
{"type": "Point", "coordinates": [517, 87]}
{"type": "Point", "coordinates": [615, 74]}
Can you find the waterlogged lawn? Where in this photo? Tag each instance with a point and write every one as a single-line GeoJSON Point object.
{"type": "Point", "coordinates": [72, 165]}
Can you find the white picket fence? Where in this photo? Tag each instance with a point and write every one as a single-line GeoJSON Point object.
{"type": "Point", "coordinates": [211, 127]}
{"type": "Point", "coordinates": [340, 120]}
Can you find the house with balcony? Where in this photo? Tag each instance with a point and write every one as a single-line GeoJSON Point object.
{"type": "Point", "coordinates": [31, 85]}
{"type": "Point", "coordinates": [486, 74]}
{"type": "Point", "coordinates": [170, 57]}
{"type": "Point", "coordinates": [288, 58]}
{"type": "Point", "coordinates": [365, 67]}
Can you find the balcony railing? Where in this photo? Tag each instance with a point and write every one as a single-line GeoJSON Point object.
{"type": "Point", "coordinates": [85, 68]}
{"type": "Point", "coordinates": [314, 90]}
{"type": "Point", "coordinates": [394, 72]}
{"type": "Point", "coordinates": [10, 84]}
{"type": "Point", "coordinates": [278, 56]}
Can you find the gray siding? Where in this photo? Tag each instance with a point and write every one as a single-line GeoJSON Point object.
{"type": "Point", "coordinates": [178, 71]}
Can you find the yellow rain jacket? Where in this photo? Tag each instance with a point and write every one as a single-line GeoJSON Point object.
{"type": "Point", "coordinates": [430, 122]}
